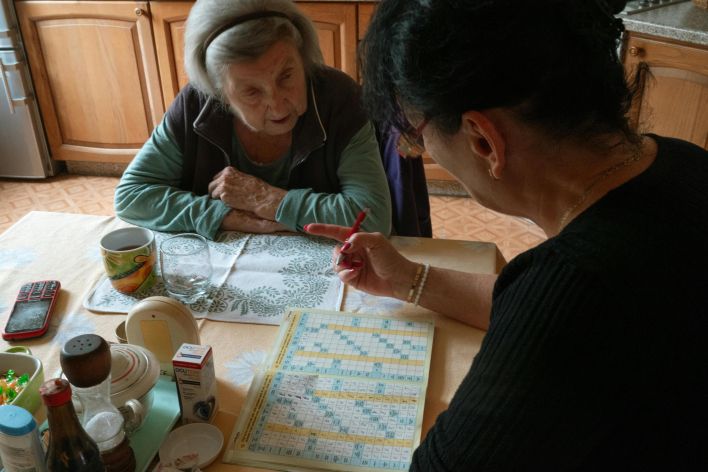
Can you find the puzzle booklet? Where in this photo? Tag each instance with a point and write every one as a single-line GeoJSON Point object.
{"type": "Point", "coordinates": [340, 391]}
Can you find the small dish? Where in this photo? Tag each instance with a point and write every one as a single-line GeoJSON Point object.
{"type": "Point", "coordinates": [19, 359]}
{"type": "Point", "coordinates": [200, 438]}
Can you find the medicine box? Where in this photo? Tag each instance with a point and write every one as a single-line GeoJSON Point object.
{"type": "Point", "coordinates": [193, 366]}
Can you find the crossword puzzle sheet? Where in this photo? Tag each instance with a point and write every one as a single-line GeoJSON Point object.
{"type": "Point", "coordinates": [341, 391]}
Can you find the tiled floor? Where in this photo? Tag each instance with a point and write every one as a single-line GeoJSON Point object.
{"type": "Point", "coordinates": [453, 217]}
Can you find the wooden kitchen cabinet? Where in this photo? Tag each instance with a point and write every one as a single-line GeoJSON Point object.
{"type": "Point", "coordinates": [106, 71]}
{"type": "Point", "coordinates": [673, 99]}
{"type": "Point", "coordinates": [365, 11]}
{"type": "Point", "coordinates": [336, 25]}
{"type": "Point", "coordinates": [168, 21]}
{"type": "Point", "coordinates": [95, 74]}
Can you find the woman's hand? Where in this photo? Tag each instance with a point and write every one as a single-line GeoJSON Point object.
{"type": "Point", "coordinates": [245, 192]}
{"type": "Point", "coordinates": [368, 261]}
{"type": "Point", "coordinates": [239, 220]}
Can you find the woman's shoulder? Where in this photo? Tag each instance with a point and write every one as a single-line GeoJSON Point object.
{"type": "Point", "coordinates": [574, 254]}
{"type": "Point", "coordinates": [189, 102]}
{"type": "Point", "coordinates": [331, 78]}
{"type": "Point", "coordinates": [337, 101]}
{"type": "Point", "coordinates": [336, 90]}
{"type": "Point", "coordinates": [675, 146]}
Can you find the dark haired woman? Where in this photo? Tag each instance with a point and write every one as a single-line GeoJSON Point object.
{"type": "Point", "coordinates": [595, 356]}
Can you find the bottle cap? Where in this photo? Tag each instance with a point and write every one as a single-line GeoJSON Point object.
{"type": "Point", "coordinates": [86, 360]}
{"type": "Point", "coordinates": [55, 392]}
{"type": "Point", "coordinates": [15, 421]}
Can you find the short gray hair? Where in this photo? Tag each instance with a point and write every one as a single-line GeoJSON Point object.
{"type": "Point", "coordinates": [244, 42]}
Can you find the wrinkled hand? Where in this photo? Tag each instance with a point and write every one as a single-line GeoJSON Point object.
{"type": "Point", "coordinates": [368, 261]}
{"type": "Point", "coordinates": [239, 220]}
{"type": "Point", "coordinates": [245, 192]}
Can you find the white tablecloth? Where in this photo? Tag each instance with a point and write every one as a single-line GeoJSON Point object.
{"type": "Point", "coordinates": [58, 246]}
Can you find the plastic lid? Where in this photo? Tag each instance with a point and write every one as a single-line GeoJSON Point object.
{"type": "Point", "coordinates": [16, 421]}
{"type": "Point", "coordinates": [55, 392]}
{"type": "Point", "coordinates": [134, 371]}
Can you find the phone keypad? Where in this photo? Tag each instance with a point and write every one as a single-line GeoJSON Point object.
{"type": "Point", "coordinates": [35, 291]}
{"type": "Point", "coordinates": [24, 292]}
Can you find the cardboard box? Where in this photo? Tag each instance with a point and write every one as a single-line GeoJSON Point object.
{"type": "Point", "coordinates": [193, 365]}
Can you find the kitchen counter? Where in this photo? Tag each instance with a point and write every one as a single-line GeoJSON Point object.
{"type": "Point", "coordinates": [681, 22]}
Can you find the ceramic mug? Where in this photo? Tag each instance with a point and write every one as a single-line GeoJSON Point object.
{"type": "Point", "coordinates": [129, 257]}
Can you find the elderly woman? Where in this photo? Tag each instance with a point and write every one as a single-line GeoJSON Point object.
{"type": "Point", "coordinates": [595, 356]}
{"type": "Point", "coordinates": [264, 138]}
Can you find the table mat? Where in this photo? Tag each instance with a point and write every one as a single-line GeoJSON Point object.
{"type": "Point", "coordinates": [255, 279]}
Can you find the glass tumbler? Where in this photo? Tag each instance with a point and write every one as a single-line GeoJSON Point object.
{"type": "Point", "coordinates": [185, 266]}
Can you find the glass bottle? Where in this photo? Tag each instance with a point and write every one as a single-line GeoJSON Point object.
{"type": "Point", "coordinates": [86, 362]}
{"type": "Point", "coordinates": [70, 449]}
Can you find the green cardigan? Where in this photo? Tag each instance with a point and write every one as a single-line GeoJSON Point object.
{"type": "Point", "coordinates": [152, 192]}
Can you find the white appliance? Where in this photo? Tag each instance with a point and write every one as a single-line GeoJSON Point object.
{"type": "Point", "coordinates": [23, 145]}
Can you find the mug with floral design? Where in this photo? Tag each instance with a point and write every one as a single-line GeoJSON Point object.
{"type": "Point", "coordinates": [129, 257]}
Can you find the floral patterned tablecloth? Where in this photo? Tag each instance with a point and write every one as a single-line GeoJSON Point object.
{"type": "Point", "coordinates": [255, 279]}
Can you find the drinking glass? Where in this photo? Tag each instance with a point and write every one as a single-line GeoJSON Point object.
{"type": "Point", "coordinates": [185, 266]}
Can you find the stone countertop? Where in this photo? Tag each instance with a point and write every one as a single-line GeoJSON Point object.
{"type": "Point", "coordinates": [680, 21]}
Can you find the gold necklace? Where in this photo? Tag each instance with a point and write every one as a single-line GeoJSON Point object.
{"type": "Point", "coordinates": [605, 174]}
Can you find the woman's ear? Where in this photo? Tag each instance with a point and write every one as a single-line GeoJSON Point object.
{"type": "Point", "coordinates": [486, 140]}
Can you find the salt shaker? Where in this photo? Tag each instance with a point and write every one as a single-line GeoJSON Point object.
{"type": "Point", "coordinates": [86, 361]}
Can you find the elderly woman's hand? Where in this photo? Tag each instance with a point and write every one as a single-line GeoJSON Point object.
{"type": "Point", "coordinates": [245, 192]}
{"type": "Point", "coordinates": [238, 220]}
{"type": "Point", "coordinates": [368, 261]}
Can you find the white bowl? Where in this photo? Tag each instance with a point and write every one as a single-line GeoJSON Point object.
{"type": "Point", "coordinates": [200, 438]}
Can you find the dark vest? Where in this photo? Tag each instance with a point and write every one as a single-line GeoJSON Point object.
{"type": "Point", "coordinates": [203, 127]}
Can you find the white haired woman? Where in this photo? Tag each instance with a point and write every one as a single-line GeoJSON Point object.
{"type": "Point", "coordinates": [264, 138]}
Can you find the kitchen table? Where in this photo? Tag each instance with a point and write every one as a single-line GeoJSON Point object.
{"type": "Point", "coordinates": [64, 246]}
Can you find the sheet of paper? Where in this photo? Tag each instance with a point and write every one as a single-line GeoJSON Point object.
{"type": "Point", "coordinates": [340, 391]}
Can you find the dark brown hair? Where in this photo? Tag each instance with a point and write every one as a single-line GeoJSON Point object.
{"type": "Point", "coordinates": [554, 62]}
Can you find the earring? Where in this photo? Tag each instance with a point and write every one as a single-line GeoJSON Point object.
{"type": "Point", "coordinates": [491, 174]}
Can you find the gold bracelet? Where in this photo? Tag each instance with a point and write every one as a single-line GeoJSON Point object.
{"type": "Point", "coordinates": [422, 284]}
{"type": "Point", "coordinates": [411, 292]}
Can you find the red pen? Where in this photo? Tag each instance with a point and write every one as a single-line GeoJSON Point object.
{"type": "Point", "coordinates": [357, 223]}
{"type": "Point", "coordinates": [342, 258]}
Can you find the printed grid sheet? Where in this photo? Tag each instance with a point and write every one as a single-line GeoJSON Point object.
{"type": "Point", "coordinates": [342, 392]}
{"type": "Point", "coordinates": [357, 346]}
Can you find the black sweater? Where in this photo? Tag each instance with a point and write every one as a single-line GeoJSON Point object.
{"type": "Point", "coordinates": [596, 356]}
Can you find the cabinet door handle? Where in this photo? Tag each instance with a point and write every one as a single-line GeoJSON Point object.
{"type": "Point", "coordinates": [636, 51]}
{"type": "Point", "coordinates": [11, 101]}
{"type": "Point", "coordinates": [6, 86]}
{"type": "Point", "coordinates": [138, 12]}
{"type": "Point", "coordinates": [8, 33]}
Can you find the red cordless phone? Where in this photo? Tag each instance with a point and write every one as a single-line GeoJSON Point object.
{"type": "Point", "coordinates": [33, 307]}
